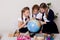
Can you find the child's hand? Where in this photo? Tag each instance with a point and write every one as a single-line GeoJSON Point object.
{"type": "Point", "coordinates": [43, 23]}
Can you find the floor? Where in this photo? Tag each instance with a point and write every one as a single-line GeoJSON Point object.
{"type": "Point", "coordinates": [5, 37]}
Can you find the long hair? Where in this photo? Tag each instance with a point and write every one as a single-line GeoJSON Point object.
{"type": "Point", "coordinates": [23, 10]}
{"type": "Point", "coordinates": [44, 6]}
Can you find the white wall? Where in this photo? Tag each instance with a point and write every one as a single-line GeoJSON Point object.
{"type": "Point", "coordinates": [10, 10]}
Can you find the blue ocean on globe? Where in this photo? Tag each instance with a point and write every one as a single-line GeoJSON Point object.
{"type": "Point", "coordinates": [32, 26]}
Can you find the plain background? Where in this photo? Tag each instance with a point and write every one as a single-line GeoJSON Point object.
{"type": "Point", "coordinates": [10, 10]}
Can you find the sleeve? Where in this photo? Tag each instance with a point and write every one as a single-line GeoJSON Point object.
{"type": "Point", "coordinates": [51, 16]}
{"type": "Point", "coordinates": [45, 19]}
{"type": "Point", "coordinates": [39, 16]}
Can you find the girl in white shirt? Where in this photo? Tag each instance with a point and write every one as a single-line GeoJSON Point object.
{"type": "Point", "coordinates": [35, 10]}
{"type": "Point", "coordinates": [22, 22]}
{"type": "Point", "coordinates": [35, 13]}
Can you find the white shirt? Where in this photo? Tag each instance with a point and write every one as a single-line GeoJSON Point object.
{"type": "Point", "coordinates": [39, 16]}
{"type": "Point", "coordinates": [20, 19]}
{"type": "Point", "coordinates": [45, 19]}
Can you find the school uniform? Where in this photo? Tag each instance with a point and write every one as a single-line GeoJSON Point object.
{"type": "Point", "coordinates": [50, 27]}
{"type": "Point", "coordinates": [24, 29]}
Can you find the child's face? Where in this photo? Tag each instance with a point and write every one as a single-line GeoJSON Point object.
{"type": "Point", "coordinates": [42, 10]}
{"type": "Point", "coordinates": [26, 13]}
{"type": "Point", "coordinates": [35, 11]}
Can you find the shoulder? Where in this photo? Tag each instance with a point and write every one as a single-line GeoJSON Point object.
{"type": "Point", "coordinates": [50, 10]}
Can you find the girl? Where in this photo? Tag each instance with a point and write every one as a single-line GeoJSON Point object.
{"type": "Point", "coordinates": [35, 10]}
{"type": "Point", "coordinates": [48, 16]}
{"type": "Point", "coordinates": [22, 22]}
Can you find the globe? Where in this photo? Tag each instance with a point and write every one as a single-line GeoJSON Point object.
{"type": "Point", "coordinates": [33, 25]}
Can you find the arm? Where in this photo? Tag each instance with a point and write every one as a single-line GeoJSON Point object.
{"type": "Point", "coordinates": [43, 23]}
{"type": "Point", "coordinates": [22, 24]}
